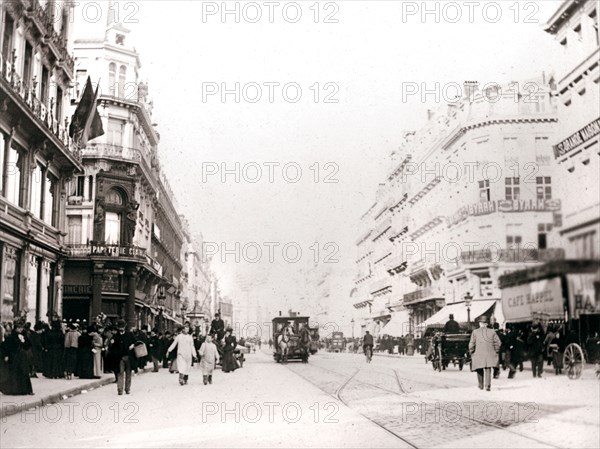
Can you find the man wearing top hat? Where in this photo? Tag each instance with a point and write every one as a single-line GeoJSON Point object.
{"type": "Point", "coordinates": [217, 327]}
{"type": "Point", "coordinates": [484, 347]}
{"type": "Point", "coordinates": [451, 326]}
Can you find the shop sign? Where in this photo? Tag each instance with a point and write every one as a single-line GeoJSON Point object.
{"type": "Point", "coordinates": [489, 207]}
{"type": "Point", "coordinates": [77, 289]}
{"type": "Point", "coordinates": [583, 298]}
{"type": "Point", "coordinates": [520, 303]}
{"type": "Point", "coordinates": [583, 135]}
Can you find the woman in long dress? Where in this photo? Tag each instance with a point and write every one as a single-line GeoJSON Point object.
{"type": "Point", "coordinates": [97, 344]}
{"type": "Point", "coordinates": [209, 356]}
{"type": "Point", "coordinates": [185, 353]}
{"type": "Point", "coordinates": [15, 358]}
{"type": "Point", "coordinates": [229, 362]}
{"type": "Point", "coordinates": [85, 355]}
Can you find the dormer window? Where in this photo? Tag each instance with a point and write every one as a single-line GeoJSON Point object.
{"type": "Point", "coordinates": [120, 39]}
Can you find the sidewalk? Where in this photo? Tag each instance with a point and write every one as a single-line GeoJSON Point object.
{"type": "Point", "coordinates": [49, 391]}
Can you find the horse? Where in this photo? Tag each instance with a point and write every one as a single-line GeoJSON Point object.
{"type": "Point", "coordinates": [304, 343]}
{"type": "Point", "coordinates": [283, 345]}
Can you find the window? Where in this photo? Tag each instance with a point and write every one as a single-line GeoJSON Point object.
{"type": "Point", "coordinates": [13, 177]}
{"type": "Point", "coordinates": [513, 191]}
{"type": "Point", "coordinates": [585, 246]}
{"type": "Point", "coordinates": [90, 187]}
{"type": "Point", "coordinates": [543, 230]}
{"type": "Point", "coordinates": [112, 233]}
{"type": "Point", "coordinates": [484, 190]}
{"type": "Point", "coordinates": [2, 163]}
{"type": "Point", "coordinates": [122, 79]}
{"type": "Point", "coordinates": [513, 241]}
{"type": "Point", "coordinates": [49, 201]}
{"type": "Point", "coordinates": [114, 197]}
{"type": "Point", "coordinates": [112, 78]}
{"type": "Point", "coordinates": [74, 230]}
{"type": "Point", "coordinates": [78, 186]}
{"type": "Point", "coordinates": [7, 36]}
{"type": "Point", "coordinates": [542, 151]}
{"type": "Point", "coordinates": [115, 132]}
{"type": "Point", "coordinates": [27, 63]}
{"type": "Point", "coordinates": [45, 86]}
{"type": "Point", "coordinates": [544, 188]}
{"type": "Point", "coordinates": [59, 105]}
{"type": "Point", "coordinates": [81, 78]}
{"type": "Point", "coordinates": [37, 188]}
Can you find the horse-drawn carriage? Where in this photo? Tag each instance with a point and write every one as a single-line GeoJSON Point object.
{"type": "Point", "coordinates": [292, 339]}
{"type": "Point", "coordinates": [444, 349]}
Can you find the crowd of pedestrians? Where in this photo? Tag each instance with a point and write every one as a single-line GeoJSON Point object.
{"type": "Point", "coordinates": [64, 350]}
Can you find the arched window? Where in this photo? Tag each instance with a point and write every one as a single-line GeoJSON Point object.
{"type": "Point", "coordinates": [122, 78]}
{"type": "Point", "coordinates": [112, 75]}
{"type": "Point", "coordinates": [114, 198]}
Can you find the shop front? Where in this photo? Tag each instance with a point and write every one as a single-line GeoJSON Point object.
{"type": "Point", "coordinates": [558, 292]}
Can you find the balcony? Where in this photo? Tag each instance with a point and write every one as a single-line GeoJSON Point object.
{"type": "Point", "coordinates": [43, 112]}
{"type": "Point", "coordinates": [26, 223]}
{"type": "Point", "coordinates": [107, 251]}
{"type": "Point", "coordinates": [109, 151]}
{"type": "Point", "coordinates": [41, 20]}
{"type": "Point", "coordinates": [513, 255]}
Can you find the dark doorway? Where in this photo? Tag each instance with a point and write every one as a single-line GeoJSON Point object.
{"type": "Point", "coordinates": [76, 309]}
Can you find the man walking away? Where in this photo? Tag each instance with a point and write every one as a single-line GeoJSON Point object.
{"type": "Point", "coordinates": [155, 349]}
{"type": "Point", "coordinates": [484, 347]}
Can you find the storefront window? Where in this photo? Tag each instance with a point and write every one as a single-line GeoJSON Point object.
{"type": "Point", "coordinates": [9, 284]}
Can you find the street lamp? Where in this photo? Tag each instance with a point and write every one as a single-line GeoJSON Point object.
{"type": "Point", "coordinates": [468, 298]}
{"type": "Point", "coordinates": [352, 322]}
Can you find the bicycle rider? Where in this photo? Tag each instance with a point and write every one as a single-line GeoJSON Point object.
{"type": "Point", "coordinates": [368, 342]}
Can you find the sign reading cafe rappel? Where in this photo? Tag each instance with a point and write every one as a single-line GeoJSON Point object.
{"type": "Point", "coordinates": [581, 136]}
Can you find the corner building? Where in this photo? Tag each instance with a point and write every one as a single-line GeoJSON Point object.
{"type": "Point", "coordinates": [124, 235]}
{"type": "Point", "coordinates": [36, 71]}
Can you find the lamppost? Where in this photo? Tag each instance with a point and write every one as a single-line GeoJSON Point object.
{"type": "Point", "coordinates": [352, 322]}
{"type": "Point", "coordinates": [468, 298]}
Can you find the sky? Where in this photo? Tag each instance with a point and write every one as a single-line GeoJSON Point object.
{"type": "Point", "coordinates": [349, 117]}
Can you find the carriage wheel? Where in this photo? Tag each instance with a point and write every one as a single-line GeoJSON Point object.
{"type": "Point", "coordinates": [573, 361]}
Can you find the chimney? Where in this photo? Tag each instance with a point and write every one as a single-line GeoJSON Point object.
{"type": "Point", "coordinates": [469, 89]}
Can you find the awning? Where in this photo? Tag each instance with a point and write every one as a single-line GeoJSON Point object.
{"type": "Point", "coordinates": [398, 325]}
{"type": "Point", "coordinates": [459, 310]}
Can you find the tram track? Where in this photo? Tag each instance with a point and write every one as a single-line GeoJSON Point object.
{"type": "Point", "coordinates": [404, 394]}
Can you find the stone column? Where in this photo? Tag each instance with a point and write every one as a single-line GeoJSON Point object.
{"type": "Point", "coordinates": [131, 276]}
{"type": "Point", "coordinates": [97, 290]}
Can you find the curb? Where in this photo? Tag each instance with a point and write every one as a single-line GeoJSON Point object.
{"type": "Point", "coordinates": [12, 408]}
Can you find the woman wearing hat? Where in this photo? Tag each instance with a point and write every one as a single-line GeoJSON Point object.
{"type": "Point", "coordinates": [229, 362]}
{"type": "Point", "coordinates": [185, 353]}
{"type": "Point", "coordinates": [484, 347]}
{"type": "Point", "coordinates": [16, 379]}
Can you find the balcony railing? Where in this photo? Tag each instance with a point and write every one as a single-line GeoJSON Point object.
{"type": "Point", "coordinates": [27, 222]}
{"type": "Point", "coordinates": [42, 18]}
{"type": "Point", "coordinates": [110, 151]}
{"type": "Point", "coordinates": [522, 255]}
{"type": "Point", "coordinates": [116, 251]}
{"type": "Point", "coordinates": [41, 110]}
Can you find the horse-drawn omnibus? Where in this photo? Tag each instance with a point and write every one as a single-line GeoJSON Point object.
{"type": "Point", "coordinates": [291, 337]}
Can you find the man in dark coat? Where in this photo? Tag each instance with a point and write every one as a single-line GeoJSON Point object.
{"type": "Point", "coordinates": [217, 327]}
{"type": "Point", "coordinates": [120, 351]}
{"type": "Point", "coordinates": [15, 357]}
{"type": "Point", "coordinates": [484, 347]}
{"type": "Point", "coordinates": [155, 350]}
{"type": "Point", "coordinates": [535, 347]}
{"type": "Point", "coordinates": [166, 342]}
{"type": "Point", "coordinates": [451, 326]}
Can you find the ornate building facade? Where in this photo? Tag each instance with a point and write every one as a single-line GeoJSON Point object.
{"type": "Point", "coordinates": [36, 71]}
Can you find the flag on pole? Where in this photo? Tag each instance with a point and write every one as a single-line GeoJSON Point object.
{"type": "Point", "coordinates": [86, 123]}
